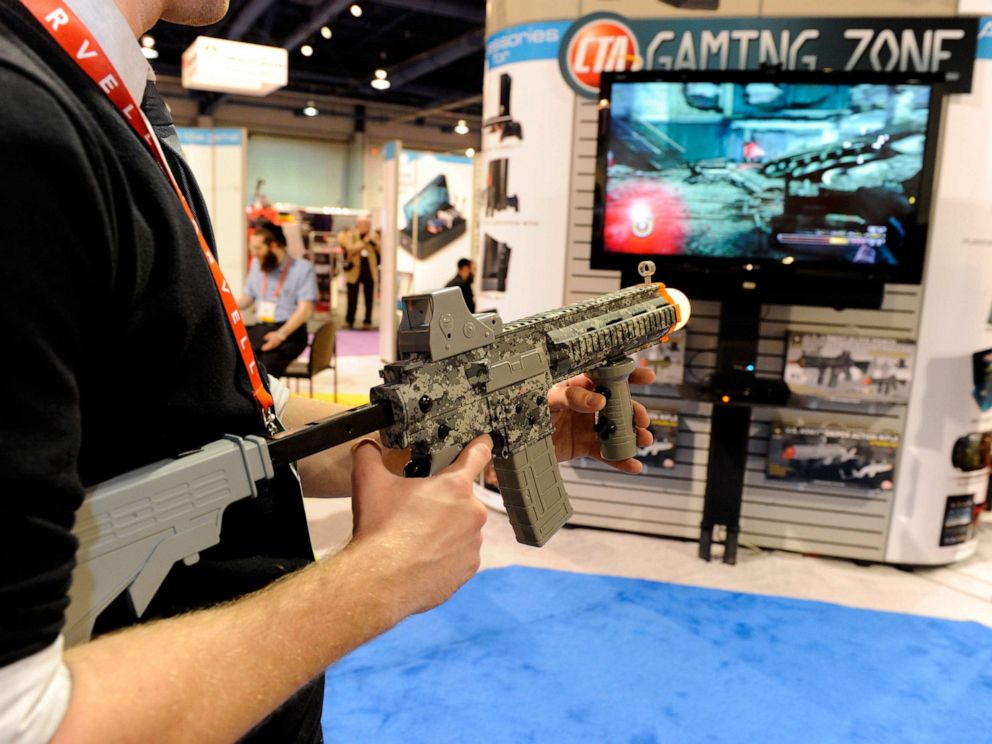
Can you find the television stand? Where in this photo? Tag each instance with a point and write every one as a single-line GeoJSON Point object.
{"type": "Point", "coordinates": [733, 390]}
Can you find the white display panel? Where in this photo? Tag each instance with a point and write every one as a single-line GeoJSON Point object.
{"type": "Point", "coordinates": [528, 214]}
{"type": "Point", "coordinates": [957, 294]}
{"type": "Point", "coordinates": [218, 160]}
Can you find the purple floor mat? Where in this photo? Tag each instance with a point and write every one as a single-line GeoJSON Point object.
{"type": "Point", "coordinates": [358, 343]}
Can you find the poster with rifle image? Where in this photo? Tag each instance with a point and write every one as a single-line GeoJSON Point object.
{"type": "Point", "coordinates": [849, 368]}
{"type": "Point", "coordinates": [853, 458]}
{"type": "Point", "coordinates": [660, 454]}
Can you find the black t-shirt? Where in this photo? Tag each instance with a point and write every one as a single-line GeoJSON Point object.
{"type": "Point", "coordinates": [117, 353]}
{"type": "Point", "coordinates": [466, 287]}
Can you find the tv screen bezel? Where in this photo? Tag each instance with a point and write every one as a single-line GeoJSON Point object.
{"type": "Point", "coordinates": [712, 278]}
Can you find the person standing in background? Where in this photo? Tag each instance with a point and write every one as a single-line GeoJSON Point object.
{"type": "Point", "coordinates": [463, 280]}
{"type": "Point", "coordinates": [285, 290]}
{"type": "Point", "coordinates": [361, 262]}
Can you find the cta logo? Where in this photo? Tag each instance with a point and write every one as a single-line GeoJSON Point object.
{"type": "Point", "coordinates": [603, 43]}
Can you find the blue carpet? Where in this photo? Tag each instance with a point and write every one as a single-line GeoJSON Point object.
{"type": "Point", "coordinates": [528, 655]}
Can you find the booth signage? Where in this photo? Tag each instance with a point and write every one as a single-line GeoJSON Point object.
{"type": "Point", "coordinates": [607, 42]}
{"type": "Point", "coordinates": [227, 66]}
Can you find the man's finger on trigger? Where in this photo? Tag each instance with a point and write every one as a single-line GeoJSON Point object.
{"type": "Point", "coordinates": [475, 456]}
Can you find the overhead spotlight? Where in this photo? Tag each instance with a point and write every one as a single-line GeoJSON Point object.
{"type": "Point", "coordinates": [306, 50]}
{"type": "Point", "coordinates": [310, 109]}
{"type": "Point", "coordinates": [325, 31]}
{"type": "Point", "coordinates": [470, 152]}
{"type": "Point", "coordinates": [356, 10]}
{"type": "Point", "coordinates": [148, 47]}
{"type": "Point", "coordinates": [380, 83]}
{"type": "Point", "coordinates": [380, 74]}
{"type": "Point", "coordinates": [461, 127]}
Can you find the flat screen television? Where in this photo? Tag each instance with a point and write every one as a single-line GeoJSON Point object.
{"type": "Point", "coordinates": [788, 186]}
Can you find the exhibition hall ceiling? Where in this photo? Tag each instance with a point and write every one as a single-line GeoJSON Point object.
{"type": "Point", "coordinates": [431, 50]}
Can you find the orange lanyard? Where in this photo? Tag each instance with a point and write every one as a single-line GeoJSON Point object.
{"type": "Point", "coordinates": [76, 40]}
{"type": "Point", "coordinates": [282, 278]}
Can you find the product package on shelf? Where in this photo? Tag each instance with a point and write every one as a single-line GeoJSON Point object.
{"type": "Point", "coordinates": [961, 516]}
{"type": "Point", "coordinates": [981, 362]}
{"type": "Point", "coordinates": [667, 360]}
{"type": "Point", "coordinates": [853, 458]}
{"type": "Point", "coordinates": [660, 454]}
{"type": "Point", "coordinates": [849, 368]}
{"type": "Point", "coordinates": [971, 452]}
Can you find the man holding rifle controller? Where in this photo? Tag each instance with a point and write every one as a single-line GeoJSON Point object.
{"type": "Point", "coordinates": [111, 257]}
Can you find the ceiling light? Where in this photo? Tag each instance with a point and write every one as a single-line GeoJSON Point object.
{"type": "Point", "coordinates": [380, 74]}
{"type": "Point", "coordinates": [470, 152]}
{"type": "Point", "coordinates": [306, 50]}
{"type": "Point", "coordinates": [147, 41]}
{"type": "Point", "coordinates": [310, 109]}
{"type": "Point", "coordinates": [149, 52]}
{"type": "Point", "coordinates": [380, 83]}
{"type": "Point", "coordinates": [325, 31]}
{"type": "Point", "coordinates": [461, 127]}
{"type": "Point", "coordinates": [356, 10]}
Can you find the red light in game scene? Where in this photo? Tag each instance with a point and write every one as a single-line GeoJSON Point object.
{"type": "Point", "coordinates": [644, 217]}
{"type": "Point", "coordinates": [789, 453]}
{"type": "Point", "coordinates": [603, 45]}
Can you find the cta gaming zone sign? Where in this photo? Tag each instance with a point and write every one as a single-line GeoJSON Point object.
{"type": "Point", "coordinates": [606, 42]}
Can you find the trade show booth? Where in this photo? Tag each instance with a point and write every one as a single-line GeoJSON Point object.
{"type": "Point", "coordinates": [808, 181]}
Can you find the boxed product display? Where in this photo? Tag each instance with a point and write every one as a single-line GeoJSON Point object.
{"type": "Point", "coordinates": [435, 220]}
{"type": "Point", "coordinates": [660, 454]}
{"type": "Point", "coordinates": [849, 457]}
{"type": "Point", "coordinates": [981, 363]}
{"type": "Point", "coordinates": [960, 520]}
{"type": "Point", "coordinates": [667, 360]}
{"type": "Point", "coordinates": [849, 367]}
{"type": "Point", "coordinates": [971, 452]}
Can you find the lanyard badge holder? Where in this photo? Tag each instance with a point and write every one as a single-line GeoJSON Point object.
{"type": "Point", "coordinates": [267, 308]}
{"type": "Point", "coordinates": [76, 40]}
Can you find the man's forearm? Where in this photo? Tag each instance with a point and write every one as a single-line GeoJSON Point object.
{"type": "Point", "coordinates": [210, 676]}
{"type": "Point", "coordinates": [245, 301]}
{"type": "Point", "coordinates": [303, 311]}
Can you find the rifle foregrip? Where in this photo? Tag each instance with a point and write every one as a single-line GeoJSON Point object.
{"type": "Point", "coordinates": [533, 493]}
{"type": "Point", "coordinates": [615, 423]}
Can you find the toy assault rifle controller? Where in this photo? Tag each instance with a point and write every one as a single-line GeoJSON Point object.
{"type": "Point", "coordinates": [460, 376]}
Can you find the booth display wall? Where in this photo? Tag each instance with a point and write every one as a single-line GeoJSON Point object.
{"type": "Point", "coordinates": [528, 108]}
{"type": "Point", "coordinates": [300, 171]}
{"type": "Point", "coordinates": [388, 288]}
{"type": "Point", "coordinates": [428, 255]}
{"type": "Point", "coordinates": [899, 526]}
{"type": "Point", "coordinates": [217, 158]}
{"type": "Point", "coordinates": [427, 228]}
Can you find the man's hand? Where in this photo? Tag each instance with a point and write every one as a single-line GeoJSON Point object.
{"type": "Point", "coordinates": [272, 339]}
{"type": "Point", "coordinates": [428, 531]}
{"type": "Point", "coordinates": [573, 407]}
